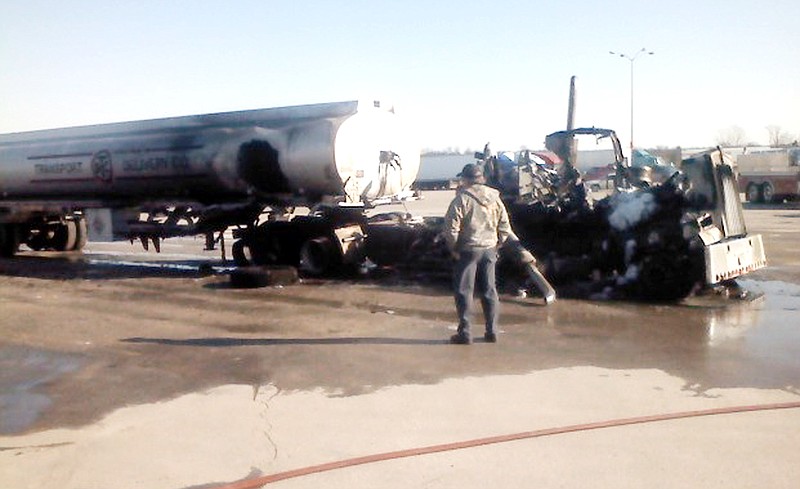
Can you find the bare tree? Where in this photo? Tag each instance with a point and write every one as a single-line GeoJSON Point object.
{"type": "Point", "coordinates": [731, 137]}
{"type": "Point", "coordinates": [777, 136]}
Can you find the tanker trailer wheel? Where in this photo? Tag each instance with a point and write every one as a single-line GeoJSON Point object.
{"type": "Point", "coordinates": [65, 236]}
{"type": "Point", "coordinates": [241, 253]}
{"type": "Point", "coordinates": [319, 256]}
{"type": "Point", "coordinates": [768, 192]}
{"type": "Point", "coordinates": [9, 240]}
{"type": "Point", "coordinates": [81, 234]}
{"type": "Point", "coordinates": [753, 193]}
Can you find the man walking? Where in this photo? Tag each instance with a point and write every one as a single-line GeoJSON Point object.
{"type": "Point", "coordinates": [475, 224]}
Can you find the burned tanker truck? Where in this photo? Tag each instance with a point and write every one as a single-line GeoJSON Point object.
{"type": "Point", "coordinates": [247, 170]}
{"type": "Point", "coordinates": [661, 234]}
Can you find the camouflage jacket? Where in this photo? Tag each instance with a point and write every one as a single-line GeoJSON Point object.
{"type": "Point", "coordinates": [476, 219]}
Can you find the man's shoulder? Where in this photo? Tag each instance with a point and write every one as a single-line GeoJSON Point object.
{"type": "Point", "coordinates": [483, 193]}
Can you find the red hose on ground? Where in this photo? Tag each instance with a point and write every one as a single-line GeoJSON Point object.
{"type": "Point", "coordinates": [413, 452]}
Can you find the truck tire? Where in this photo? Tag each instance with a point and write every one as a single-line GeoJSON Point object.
{"type": "Point", "coordinates": [318, 256]}
{"type": "Point", "coordinates": [253, 277]}
{"type": "Point", "coordinates": [753, 193]}
{"type": "Point", "coordinates": [767, 192]}
{"type": "Point", "coordinates": [9, 240]}
{"type": "Point", "coordinates": [241, 253]}
{"type": "Point", "coordinates": [65, 236]}
{"type": "Point", "coordinates": [81, 234]}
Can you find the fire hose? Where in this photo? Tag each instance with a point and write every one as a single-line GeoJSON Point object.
{"type": "Point", "coordinates": [258, 482]}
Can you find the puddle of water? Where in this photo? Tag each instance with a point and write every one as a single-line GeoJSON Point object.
{"type": "Point", "coordinates": [25, 370]}
{"type": "Point", "coordinates": [191, 267]}
{"type": "Point", "coordinates": [775, 338]}
{"type": "Point", "coordinates": [782, 295]}
{"type": "Point", "coordinates": [770, 313]}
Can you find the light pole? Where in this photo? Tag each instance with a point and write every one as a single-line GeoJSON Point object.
{"type": "Point", "coordinates": [632, 58]}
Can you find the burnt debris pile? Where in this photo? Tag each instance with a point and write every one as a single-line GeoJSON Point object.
{"type": "Point", "coordinates": [654, 237]}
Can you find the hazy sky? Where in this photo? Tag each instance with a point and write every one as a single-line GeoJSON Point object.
{"type": "Point", "coordinates": [465, 72]}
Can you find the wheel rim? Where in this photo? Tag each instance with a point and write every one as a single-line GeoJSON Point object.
{"type": "Point", "coordinates": [752, 193]}
{"type": "Point", "coordinates": [64, 236]}
{"type": "Point", "coordinates": [768, 192]}
{"type": "Point", "coordinates": [241, 253]}
{"type": "Point", "coordinates": [317, 256]}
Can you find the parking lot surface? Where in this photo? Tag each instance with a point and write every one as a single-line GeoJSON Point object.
{"type": "Point", "coordinates": [129, 369]}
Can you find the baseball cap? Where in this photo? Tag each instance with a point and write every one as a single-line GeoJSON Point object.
{"type": "Point", "coordinates": [471, 171]}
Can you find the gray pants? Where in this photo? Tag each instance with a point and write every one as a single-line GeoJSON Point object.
{"type": "Point", "coordinates": [476, 269]}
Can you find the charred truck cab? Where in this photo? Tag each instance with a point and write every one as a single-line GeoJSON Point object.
{"type": "Point", "coordinates": [728, 250]}
{"type": "Point", "coordinates": [661, 234]}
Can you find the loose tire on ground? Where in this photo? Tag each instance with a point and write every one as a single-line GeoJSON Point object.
{"type": "Point", "coordinates": [253, 277]}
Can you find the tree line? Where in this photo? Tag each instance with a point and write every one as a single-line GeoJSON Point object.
{"type": "Point", "coordinates": [735, 136]}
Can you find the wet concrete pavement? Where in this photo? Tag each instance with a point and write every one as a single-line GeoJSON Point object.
{"type": "Point", "coordinates": [128, 376]}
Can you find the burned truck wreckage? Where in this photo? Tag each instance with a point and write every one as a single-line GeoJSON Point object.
{"type": "Point", "coordinates": [662, 234]}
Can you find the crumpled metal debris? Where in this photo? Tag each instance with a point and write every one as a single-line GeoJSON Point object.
{"type": "Point", "coordinates": [645, 241]}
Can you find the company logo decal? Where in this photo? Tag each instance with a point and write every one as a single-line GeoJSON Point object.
{"type": "Point", "coordinates": [101, 166]}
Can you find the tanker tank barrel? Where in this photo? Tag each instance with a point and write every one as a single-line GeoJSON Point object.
{"type": "Point", "coordinates": [211, 166]}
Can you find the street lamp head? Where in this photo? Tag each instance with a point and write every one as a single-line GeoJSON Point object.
{"type": "Point", "coordinates": [633, 57]}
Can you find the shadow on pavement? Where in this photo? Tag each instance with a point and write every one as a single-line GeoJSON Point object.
{"type": "Point", "coordinates": [231, 341]}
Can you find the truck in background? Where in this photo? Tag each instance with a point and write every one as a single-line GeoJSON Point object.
{"type": "Point", "coordinates": [769, 176]}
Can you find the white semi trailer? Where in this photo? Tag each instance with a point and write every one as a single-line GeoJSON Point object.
{"type": "Point", "coordinates": [202, 174]}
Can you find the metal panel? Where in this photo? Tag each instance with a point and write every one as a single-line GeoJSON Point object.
{"type": "Point", "coordinates": [300, 153]}
{"type": "Point", "coordinates": [731, 258]}
{"type": "Point", "coordinates": [734, 214]}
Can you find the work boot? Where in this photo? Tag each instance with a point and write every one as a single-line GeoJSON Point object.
{"type": "Point", "coordinates": [460, 339]}
{"type": "Point", "coordinates": [490, 337]}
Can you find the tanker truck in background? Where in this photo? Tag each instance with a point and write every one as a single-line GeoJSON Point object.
{"type": "Point", "coordinates": [203, 174]}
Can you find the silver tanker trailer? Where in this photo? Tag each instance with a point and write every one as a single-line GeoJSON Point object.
{"type": "Point", "coordinates": [203, 174]}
